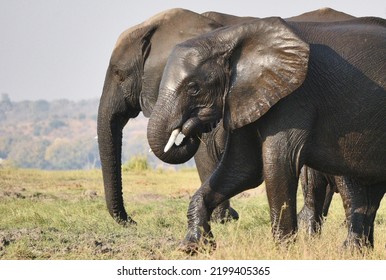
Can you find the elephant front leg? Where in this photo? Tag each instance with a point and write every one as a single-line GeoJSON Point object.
{"type": "Point", "coordinates": [281, 184]}
{"type": "Point", "coordinates": [282, 202]}
{"type": "Point", "coordinates": [199, 230]}
{"type": "Point", "coordinates": [202, 204]}
{"type": "Point", "coordinates": [239, 170]}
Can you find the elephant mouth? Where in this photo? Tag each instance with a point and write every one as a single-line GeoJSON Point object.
{"type": "Point", "coordinates": [193, 127]}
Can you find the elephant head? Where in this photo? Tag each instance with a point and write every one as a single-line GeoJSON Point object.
{"type": "Point", "coordinates": [235, 73]}
{"type": "Point", "coordinates": [131, 85]}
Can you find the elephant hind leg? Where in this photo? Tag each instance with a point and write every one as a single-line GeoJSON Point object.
{"type": "Point", "coordinates": [316, 190]}
{"type": "Point", "coordinates": [375, 194]}
{"type": "Point", "coordinates": [365, 203]}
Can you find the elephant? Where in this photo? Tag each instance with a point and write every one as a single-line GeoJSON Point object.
{"type": "Point", "coordinates": [318, 188]}
{"type": "Point", "coordinates": [289, 94]}
{"type": "Point", "coordinates": [319, 191]}
{"type": "Point", "coordinates": [131, 86]}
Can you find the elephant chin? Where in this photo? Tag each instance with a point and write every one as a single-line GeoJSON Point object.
{"type": "Point", "coordinates": [181, 153]}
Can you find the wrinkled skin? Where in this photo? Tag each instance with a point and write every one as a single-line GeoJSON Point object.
{"type": "Point", "coordinates": [291, 94]}
{"type": "Point", "coordinates": [131, 86]}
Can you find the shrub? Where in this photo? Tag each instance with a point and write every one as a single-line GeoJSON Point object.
{"type": "Point", "coordinates": [136, 163]}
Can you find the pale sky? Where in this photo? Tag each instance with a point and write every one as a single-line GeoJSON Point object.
{"type": "Point", "coordinates": [54, 49]}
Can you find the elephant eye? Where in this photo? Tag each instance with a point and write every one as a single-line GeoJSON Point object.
{"type": "Point", "coordinates": [193, 88]}
{"type": "Point", "coordinates": [119, 74]}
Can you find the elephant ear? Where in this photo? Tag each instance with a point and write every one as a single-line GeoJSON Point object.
{"type": "Point", "coordinates": [268, 62]}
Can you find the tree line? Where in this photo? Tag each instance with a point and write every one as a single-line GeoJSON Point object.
{"type": "Point", "coordinates": [61, 135]}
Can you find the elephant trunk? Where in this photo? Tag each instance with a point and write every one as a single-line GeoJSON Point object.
{"type": "Point", "coordinates": [163, 128]}
{"type": "Point", "coordinates": [112, 117]}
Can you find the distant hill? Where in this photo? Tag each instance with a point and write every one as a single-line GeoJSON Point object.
{"type": "Point", "coordinates": [61, 135]}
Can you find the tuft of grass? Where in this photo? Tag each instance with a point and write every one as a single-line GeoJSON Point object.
{"type": "Point", "coordinates": [62, 215]}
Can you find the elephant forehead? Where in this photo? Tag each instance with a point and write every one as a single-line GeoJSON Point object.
{"type": "Point", "coordinates": [177, 70]}
{"type": "Point", "coordinates": [173, 78]}
{"type": "Point", "coordinates": [185, 56]}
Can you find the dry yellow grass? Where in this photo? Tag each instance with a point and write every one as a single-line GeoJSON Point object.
{"type": "Point", "coordinates": [62, 215]}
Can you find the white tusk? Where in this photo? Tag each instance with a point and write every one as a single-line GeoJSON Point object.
{"type": "Point", "coordinates": [179, 139]}
{"type": "Point", "coordinates": [172, 139]}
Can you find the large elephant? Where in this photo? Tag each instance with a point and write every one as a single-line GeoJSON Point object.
{"type": "Point", "coordinates": [131, 86]}
{"type": "Point", "coordinates": [318, 188]}
{"type": "Point", "coordinates": [291, 94]}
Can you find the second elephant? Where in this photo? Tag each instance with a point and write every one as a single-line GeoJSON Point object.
{"type": "Point", "coordinates": [131, 86]}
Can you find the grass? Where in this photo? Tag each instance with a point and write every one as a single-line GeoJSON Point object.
{"type": "Point", "coordinates": [62, 215]}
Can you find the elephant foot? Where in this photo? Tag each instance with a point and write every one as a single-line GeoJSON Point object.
{"type": "Point", "coordinates": [306, 219]}
{"type": "Point", "coordinates": [224, 215]}
{"type": "Point", "coordinates": [127, 222]}
{"type": "Point", "coordinates": [304, 215]}
{"type": "Point", "coordinates": [195, 242]}
{"type": "Point", "coordinates": [199, 236]}
{"type": "Point", "coordinates": [357, 243]}
{"type": "Point", "coordinates": [283, 239]}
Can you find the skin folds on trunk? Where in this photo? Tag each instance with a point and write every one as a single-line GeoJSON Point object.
{"type": "Point", "coordinates": [160, 141]}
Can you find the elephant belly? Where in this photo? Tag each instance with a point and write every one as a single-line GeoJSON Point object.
{"type": "Point", "coordinates": [355, 155]}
